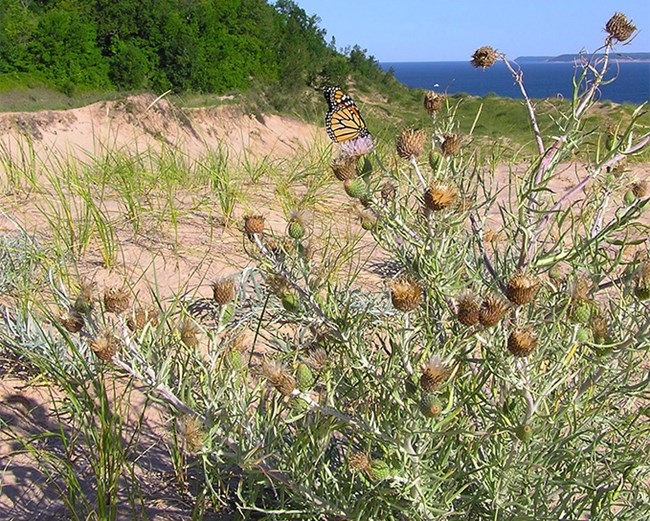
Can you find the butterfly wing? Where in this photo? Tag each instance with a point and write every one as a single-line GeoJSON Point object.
{"type": "Point", "coordinates": [343, 120]}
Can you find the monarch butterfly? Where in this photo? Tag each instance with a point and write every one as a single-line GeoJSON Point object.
{"type": "Point", "coordinates": [343, 121]}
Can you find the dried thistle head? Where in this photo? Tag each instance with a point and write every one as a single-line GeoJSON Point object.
{"type": "Point", "coordinates": [440, 195]}
{"type": "Point", "coordinates": [223, 290]}
{"type": "Point", "coordinates": [467, 309]}
{"type": "Point", "coordinates": [359, 462]}
{"type": "Point", "coordinates": [640, 189]}
{"type": "Point", "coordinates": [73, 321]}
{"type": "Point", "coordinates": [410, 143]}
{"type": "Point", "coordinates": [599, 327]}
{"type": "Point", "coordinates": [254, 225]}
{"type": "Point", "coordinates": [190, 432]}
{"type": "Point", "coordinates": [522, 288]}
{"type": "Point", "coordinates": [117, 300]}
{"type": "Point", "coordinates": [642, 280]}
{"type": "Point", "coordinates": [317, 359]}
{"type": "Point", "coordinates": [433, 102]}
{"type": "Point", "coordinates": [522, 341]}
{"type": "Point", "coordinates": [451, 144]}
{"type": "Point", "coordinates": [388, 192]}
{"type": "Point", "coordinates": [105, 345]}
{"type": "Point", "coordinates": [344, 167]}
{"type": "Point", "coordinates": [279, 377]}
{"type": "Point", "coordinates": [278, 284]}
{"type": "Point", "coordinates": [492, 310]}
{"type": "Point", "coordinates": [619, 27]}
{"type": "Point", "coordinates": [141, 317]}
{"type": "Point", "coordinates": [434, 374]}
{"type": "Point", "coordinates": [405, 294]}
{"type": "Point", "coordinates": [188, 331]}
{"type": "Point", "coordinates": [581, 288]}
{"type": "Point", "coordinates": [84, 301]}
{"type": "Point", "coordinates": [484, 57]}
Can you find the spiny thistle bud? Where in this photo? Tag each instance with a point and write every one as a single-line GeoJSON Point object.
{"type": "Point", "coordinates": [296, 227]}
{"type": "Point", "coordinates": [522, 288]}
{"type": "Point", "coordinates": [629, 198]}
{"type": "Point", "coordinates": [556, 275]}
{"type": "Point", "coordinates": [492, 310]}
{"type": "Point", "coordinates": [451, 144]}
{"type": "Point", "coordinates": [116, 300]}
{"type": "Point", "coordinates": [190, 433]}
{"type": "Point", "coordinates": [344, 167]}
{"type": "Point", "coordinates": [388, 192]}
{"type": "Point", "coordinates": [278, 376]}
{"type": "Point", "coordinates": [234, 353]}
{"type": "Point", "coordinates": [522, 341]}
{"type": "Point", "coordinates": [379, 470]}
{"type": "Point", "coordinates": [304, 377]}
{"type": "Point", "coordinates": [223, 291]}
{"type": "Point", "coordinates": [619, 27]}
{"type": "Point", "coordinates": [440, 195]}
{"type": "Point", "coordinates": [410, 143]}
{"type": "Point", "coordinates": [140, 317]}
{"type": "Point", "coordinates": [484, 57]}
{"type": "Point", "coordinates": [290, 302]}
{"type": "Point", "coordinates": [642, 284]}
{"type": "Point", "coordinates": [72, 321]}
{"type": "Point", "coordinates": [105, 345]}
{"type": "Point", "coordinates": [433, 102]}
{"type": "Point", "coordinates": [467, 309]}
{"type": "Point", "coordinates": [640, 189]}
{"type": "Point", "coordinates": [188, 332]}
{"type": "Point", "coordinates": [434, 374]}
{"type": "Point", "coordinates": [581, 311]}
{"type": "Point", "coordinates": [253, 224]}
{"type": "Point", "coordinates": [430, 405]}
{"type": "Point", "coordinates": [355, 188]}
{"type": "Point", "coordinates": [84, 302]}
{"type": "Point", "coordinates": [368, 219]}
{"type": "Point", "coordinates": [435, 159]}
{"type": "Point", "coordinates": [405, 294]}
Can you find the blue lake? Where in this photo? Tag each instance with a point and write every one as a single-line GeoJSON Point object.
{"type": "Point", "coordinates": [541, 79]}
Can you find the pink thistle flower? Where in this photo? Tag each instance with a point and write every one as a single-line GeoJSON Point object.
{"type": "Point", "coordinates": [357, 147]}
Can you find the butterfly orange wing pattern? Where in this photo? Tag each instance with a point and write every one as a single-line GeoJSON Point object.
{"type": "Point", "coordinates": [343, 120]}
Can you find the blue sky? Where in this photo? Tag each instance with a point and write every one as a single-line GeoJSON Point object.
{"type": "Point", "coordinates": [430, 30]}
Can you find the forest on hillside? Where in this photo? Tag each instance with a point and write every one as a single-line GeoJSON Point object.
{"type": "Point", "coordinates": [213, 46]}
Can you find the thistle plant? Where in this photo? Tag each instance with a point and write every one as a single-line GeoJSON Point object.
{"type": "Point", "coordinates": [496, 379]}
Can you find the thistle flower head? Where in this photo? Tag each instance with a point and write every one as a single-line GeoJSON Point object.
{"type": "Point", "coordinates": [117, 300]}
{"type": "Point", "coordinates": [619, 27]}
{"type": "Point", "coordinates": [188, 332]}
{"type": "Point", "coordinates": [440, 195]}
{"type": "Point", "coordinates": [405, 294]}
{"type": "Point", "coordinates": [105, 345]}
{"type": "Point", "coordinates": [492, 310]}
{"type": "Point", "coordinates": [599, 327]}
{"type": "Point", "coordinates": [640, 189]}
{"type": "Point", "coordinates": [190, 432]}
{"type": "Point", "coordinates": [357, 147]}
{"type": "Point", "coordinates": [467, 309]}
{"type": "Point", "coordinates": [317, 359]}
{"type": "Point", "coordinates": [140, 317]}
{"type": "Point", "coordinates": [434, 374]}
{"type": "Point", "coordinates": [451, 144]}
{"type": "Point", "coordinates": [522, 341]}
{"type": "Point", "coordinates": [484, 57]}
{"type": "Point", "coordinates": [433, 102]}
{"type": "Point", "coordinates": [359, 462]}
{"type": "Point", "coordinates": [73, 321]}
{"type": "Point", "coordinates": [410, 143]}
{"type": "Point", "coordinates": [279, 377]}
{"type": "Point", "coordinates": [522, 288]}
{"type": "Point", "coordinates": [344, 167]}
{"type": "Point", "coordinates": [254, 224]}
{"type": "Point", "coordinates": [84, 301]}
{"type": "Point", "coordinates": [223, 290]}
{"type": "Point", "coordinates": [581, 288]}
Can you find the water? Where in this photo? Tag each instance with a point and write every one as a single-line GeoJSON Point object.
{"type": "Point", "coordinates": [541, 79]}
